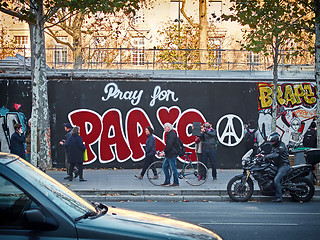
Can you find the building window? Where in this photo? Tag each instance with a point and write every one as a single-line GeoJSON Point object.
{"type": "Point", "coordinates": [140, 16]}
{"type": "Point", "coordinates": [214, 11]}
{"type": "Point", "coordinates": [21, 41]}
{"type": "Point", "coordinates": [253, 58]}
{"type": "Point", "coordinates": [215, 44]}
{"type": "Point", "coordinates": [61, 51]}
{"type": "Point", "coordinates": [175, 13]}
{"type": "Point", "coordinates": [138, 51]}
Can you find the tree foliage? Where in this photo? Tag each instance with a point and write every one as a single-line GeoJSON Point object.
{"type": "Point", "coordinates": [36, 13]}
{"type": "Point", "coordinates": [85, 25]}
{"type": "Point", "coordinates": [273, 25]}
{"type": "Point", "coordinates": [180, 47]}
{"type": "Point", "coordinates": [7, 43]}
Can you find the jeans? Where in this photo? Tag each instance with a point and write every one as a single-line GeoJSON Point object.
{"type": "Point", "coordinates": [172, 162]}
{"type": "Point", "coordinates": [277, 180]}
{"type": "Point", "coordinates": [210, 153]}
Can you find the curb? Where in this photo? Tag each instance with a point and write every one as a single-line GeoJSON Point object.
{"type": "Point", "coordinates": [171, 195]}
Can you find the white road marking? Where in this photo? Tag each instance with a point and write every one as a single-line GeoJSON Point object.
{"type": "Point", "coordinates": [252, 224]}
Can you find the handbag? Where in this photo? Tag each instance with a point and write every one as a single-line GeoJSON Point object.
{"type": "Point", "coordinates": [85, 155]}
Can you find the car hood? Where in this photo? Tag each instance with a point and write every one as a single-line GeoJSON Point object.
{"type": "Point", "coordinates": [126, 224]}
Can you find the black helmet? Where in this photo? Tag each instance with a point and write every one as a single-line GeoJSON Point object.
{"type": "Point", "coordinates": [274, 137]}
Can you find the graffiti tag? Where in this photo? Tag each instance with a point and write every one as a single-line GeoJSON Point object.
{"type": "Point", "coordinates": [288, 94]}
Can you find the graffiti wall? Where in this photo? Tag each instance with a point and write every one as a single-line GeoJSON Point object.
{"type": "Point", "coordinates": [112, 115]}
{"type": "Point", "coordinates": [296, 110]}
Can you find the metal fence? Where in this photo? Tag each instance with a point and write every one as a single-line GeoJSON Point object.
{"type": "Point", "coordinates": [172, 59]}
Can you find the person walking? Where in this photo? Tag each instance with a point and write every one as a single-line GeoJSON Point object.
{"type": "Point", "coordinates": [75, 150]}
{"type": "Point", "coordinates": [171, 155]}
{"type": "Point", "coordinates": [17, 142]}
{"type": "Point", "coordinates": [210, 140]}
{"type": "Point", "coordinates": [150, 150]}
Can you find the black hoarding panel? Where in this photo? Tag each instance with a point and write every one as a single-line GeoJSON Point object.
{"type": "Point", "coordinates": [112, 115]}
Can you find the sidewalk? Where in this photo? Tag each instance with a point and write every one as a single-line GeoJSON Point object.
{"type": "Point", "coordinates": [107, 185]}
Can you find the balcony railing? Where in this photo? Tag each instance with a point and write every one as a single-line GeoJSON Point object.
{"type": "Point", "coordinates": [172, 59]}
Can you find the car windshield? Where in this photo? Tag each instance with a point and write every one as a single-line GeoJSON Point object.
{"type": "Point", "coordinates": [68, 201]}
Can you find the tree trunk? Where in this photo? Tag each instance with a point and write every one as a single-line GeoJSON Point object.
{"type": "Point", "coordinates": [317, 75]}
{"type": "Point", "coordinates": [203, 34]}
{"type": "Point", "coordinates": [77, 41]}
{"type": "Point", "coordinates": [275, 87]}
{"type": "Point", "coordinates": [40, 109]}
{"type": "Point", "coordinates": [317, 63]}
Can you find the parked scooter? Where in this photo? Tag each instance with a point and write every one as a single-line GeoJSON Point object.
{"type": "Point", "coordinates": [298, 182]}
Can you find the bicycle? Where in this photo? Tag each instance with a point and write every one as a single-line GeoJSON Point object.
{"type": "Point", "coordinates": [194, 173]}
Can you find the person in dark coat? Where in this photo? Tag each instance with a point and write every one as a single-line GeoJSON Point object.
{"type": "Point", "coordinates": [67, 128]}
{"type": "Point", "coordinates": [209, 145]}
{"type": "Point", "coordinates": [171, 154]}
{"type": "Point", "coordinates": [75, 151]}
{"type": "Point", "coordinates": [17, 142]}
{"type": "Point", "coordinates": [150, 150]}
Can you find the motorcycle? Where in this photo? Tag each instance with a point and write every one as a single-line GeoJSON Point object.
{"type": "Point", "coordinates": [298, 182]}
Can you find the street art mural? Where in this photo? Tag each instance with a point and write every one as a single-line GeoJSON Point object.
{"type": "Point", "coordinates": [296, 110]}
{"type": "Point", "coordinates": [112, 115]}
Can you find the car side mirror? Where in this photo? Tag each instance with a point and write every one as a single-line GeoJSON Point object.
{"type": "Point", "coordinates": [35, 220]}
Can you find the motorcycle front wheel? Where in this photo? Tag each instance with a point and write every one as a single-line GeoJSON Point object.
{"type": "Point", "coordinates": [238, 191]}
{"type": "Point", "coordinates": [304, 190]}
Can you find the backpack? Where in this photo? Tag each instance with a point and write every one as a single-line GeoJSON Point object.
{"type": "Point", "coordinates": [179, 147]}
{"type": "Point", "coordinates": [309, 139]}
{"type": "Point", "coordinates": [249, 139]}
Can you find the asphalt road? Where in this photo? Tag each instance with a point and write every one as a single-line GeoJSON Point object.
{"type": "Point", "coordinates": [248, 221]}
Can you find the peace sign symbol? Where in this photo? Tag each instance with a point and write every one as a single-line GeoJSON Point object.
{"type": "Point", "coordinates": [229, 137]}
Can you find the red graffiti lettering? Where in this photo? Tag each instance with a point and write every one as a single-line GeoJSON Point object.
{"type": "Point", "coordinates": [137, 122]}
{"type": "Point", "coordinates": [118, 142]}
{"type": "Point", "coordinates": [112, 135]}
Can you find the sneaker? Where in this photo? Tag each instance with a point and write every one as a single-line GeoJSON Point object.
{"type": "Point", "coordinates": [82, 180]}
{"type": "Point", "coordinates": [155, 177]}
{"type": "Point", "coordinates": [278, 199]}
{"type": "Point", "coordinates": [165, 184]}
{"type": "Point", "coordinates": [138, 176]}
{"type": "Point", "coordinates": [215, 179]}
{"type": "Point", "coordinates": [70, 179]}
{"type": "Point", "coordinates": [174, 185]}
{"type": "Point", "coordinates": [66, 177]}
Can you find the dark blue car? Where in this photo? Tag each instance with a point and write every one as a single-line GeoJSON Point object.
{"type": "Point", "coordinates": [35, 206]}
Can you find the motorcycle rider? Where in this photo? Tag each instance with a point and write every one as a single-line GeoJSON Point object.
{"type": "Point", "coordinates": [280, 156]}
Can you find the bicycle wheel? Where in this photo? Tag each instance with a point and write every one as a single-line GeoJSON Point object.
{"type": "Point", "coordinates": [195, 173]}
{"type": "Point", "coordinates": [155, 173]}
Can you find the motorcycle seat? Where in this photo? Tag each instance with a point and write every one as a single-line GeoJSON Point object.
{"type": "Point", "coordinates": [299, 166]}
{"type": "Point", "coordinates": [293, 168]}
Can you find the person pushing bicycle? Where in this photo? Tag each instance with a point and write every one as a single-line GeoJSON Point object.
{"type": "Point", "coordinates": [171, 155]}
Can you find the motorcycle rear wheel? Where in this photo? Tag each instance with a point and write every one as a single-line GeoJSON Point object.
{"type": "Point", "coordinates": [238, 191]}
{"type": "Point", "coordinates": [306, 192]}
